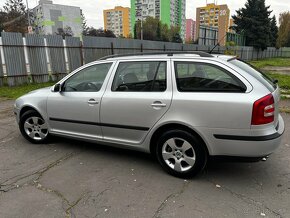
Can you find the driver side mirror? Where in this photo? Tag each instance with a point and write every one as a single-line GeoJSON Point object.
{"type": "Point", "coordinates": [56, 88]}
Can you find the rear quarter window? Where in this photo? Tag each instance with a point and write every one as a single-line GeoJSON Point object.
{"type": "Point", "coordinates": [204, 77]}
{"type": "Point", "coordinates": [257, 74]}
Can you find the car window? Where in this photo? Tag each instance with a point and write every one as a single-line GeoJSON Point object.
{"type": "Point", "coordinates": [260, 76]}
{"type": "Point", "coordinates": [89, 79]}
{"type": "Point", "coordinates": [147, 76]}
{"type": "Point", "coordinates": [202, 77]}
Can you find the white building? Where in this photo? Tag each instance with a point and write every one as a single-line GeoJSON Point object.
{"type": "Point", "coordinates": [48, 17]}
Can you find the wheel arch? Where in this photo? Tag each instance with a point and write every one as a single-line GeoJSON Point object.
{"type": "Point", "coordinates": [174, 126]}
{"type": "Point", "coordinates": [28, 108]}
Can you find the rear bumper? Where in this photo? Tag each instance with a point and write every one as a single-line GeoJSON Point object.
{"type": "Point", "coordinates": [249, 146]}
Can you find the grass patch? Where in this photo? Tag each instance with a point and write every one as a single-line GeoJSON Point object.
{"type": "Point", "coordinates": [15, 92]}
{"type": "Point", "coordinates": [284, 81]}
{"type": "Point", "coordinates": [275, 62]}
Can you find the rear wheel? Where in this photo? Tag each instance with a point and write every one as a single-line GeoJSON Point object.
{"type": "Point", "coordinates": [33, 127]}
{"type": "Point", "coordinates": [181, 154]}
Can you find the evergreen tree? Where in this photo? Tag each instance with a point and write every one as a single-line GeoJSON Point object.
{"type": "Point", "coordinates": [254, 22]}
{"type": "Point", "coordinates": [14, 16]}
{"type": "Point", "coordinates": [85, 28]}
{"type": "Point", "coordinates": [274, 32]}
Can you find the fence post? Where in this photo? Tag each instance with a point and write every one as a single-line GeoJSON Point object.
{"type": "Point", "coordinates": [112, 48]}
{"type": "Point", "coordinates": [164, 47]}
{"type": "Point", "coordinates": [81, 53]}
{"type": "Point", "coordinates": [281, 53]}
{"type": "Point", "coordinates": [141, 47]}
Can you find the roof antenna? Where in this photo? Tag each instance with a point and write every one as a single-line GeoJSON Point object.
{"type": "Point", "coordinates": [218, 43]}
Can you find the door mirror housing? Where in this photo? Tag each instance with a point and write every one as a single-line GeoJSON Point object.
{"type": "Point", "coordinates": [56, 88]}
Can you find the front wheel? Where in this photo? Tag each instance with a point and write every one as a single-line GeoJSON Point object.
{"type": "Point", "coordinates": [181, 154]}
{"type": "Point", "coordinates": [33, 127]}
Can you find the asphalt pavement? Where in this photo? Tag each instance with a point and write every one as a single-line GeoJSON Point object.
{"type": "Point", "coordinates": [69, 178]}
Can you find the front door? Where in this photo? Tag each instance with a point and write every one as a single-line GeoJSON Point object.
{"type": "Point", "coordinates": [137, 96]}
{"type": "Point", "coordinates": [75, 109]}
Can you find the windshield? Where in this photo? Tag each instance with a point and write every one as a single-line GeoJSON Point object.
{"type": "Point", "coordinates": [260, 76]}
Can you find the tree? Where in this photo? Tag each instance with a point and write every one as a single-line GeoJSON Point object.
{"type": "Point", "coordinates": [100, 32]}
{"type": "Point", "coordinates": [109, 33]}
{"type": "Point", "coordinates": [85, 28]}
{"type": "Point", "coordinates": [274, 32]}
{"type": "Point", "coordinates": [175, 34]}
{"type": "Point", "coordinates": [154, 29]}
{"type": "Point", "coordinates": [67, 31]}
{"type": "Point", "coordinates": [254, 22]}
{"type": "Point", "coordinates": [135, 31]}
{"type": "Point", "coordinates": [284, 30]}
{"type": "Point", "coordinates": [14, 16]}
{"type": "Point", "coordinates": [177, 38]}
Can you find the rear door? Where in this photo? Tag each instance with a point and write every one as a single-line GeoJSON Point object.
{"type": "Point", "coordinates": [137, 96]}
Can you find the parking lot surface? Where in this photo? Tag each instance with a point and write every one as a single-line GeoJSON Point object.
{"type": "Point", "coordinates": [68, 178]}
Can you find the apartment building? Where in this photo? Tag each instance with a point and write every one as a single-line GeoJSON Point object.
{"type": "Point", "coordinates": [170, 12]}
{"type": "Point", "coordinates": [213, 15]}
{"type": "Point", "coordinates": [190, 30]}
{"type": "Point", "coordinates": [118, 21]}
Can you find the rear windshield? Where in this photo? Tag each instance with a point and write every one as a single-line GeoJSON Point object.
{"type": "Point", "coordinates": [260, 76]}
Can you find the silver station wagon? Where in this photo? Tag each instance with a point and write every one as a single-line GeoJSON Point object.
{"type": "Point", "coordinates": [181, 107]}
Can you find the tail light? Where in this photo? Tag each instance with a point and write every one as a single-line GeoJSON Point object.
{"type": "Point", "coordinates": [263, 110]}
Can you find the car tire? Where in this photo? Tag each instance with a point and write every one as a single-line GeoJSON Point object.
{"type": "Point", "coordinates": [181, 154]}
{"type": "Point", "coordinates": [33, 127]}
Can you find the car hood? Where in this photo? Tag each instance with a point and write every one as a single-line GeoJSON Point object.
{"type": "Point", "coordinates": [32, 97]}
{"type": "Point", "coordinates": [40, 91]}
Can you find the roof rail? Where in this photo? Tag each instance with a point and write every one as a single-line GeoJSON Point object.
{"type": "Point", "coordinates": [168, 53]}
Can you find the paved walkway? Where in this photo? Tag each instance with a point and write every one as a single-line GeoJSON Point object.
{"type": "Point", "coordinates": [69, 178]}
{"type": "Point", "coordinates": [279, 70]}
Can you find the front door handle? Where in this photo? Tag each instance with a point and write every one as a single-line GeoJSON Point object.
{"type": "Point", "coordinates": [158, 104]}
{"type": "Point", "coordinates": [92, 101]}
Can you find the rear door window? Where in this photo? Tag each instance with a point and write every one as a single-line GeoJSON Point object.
{"type": "Point", "coordinates": [141, 76]}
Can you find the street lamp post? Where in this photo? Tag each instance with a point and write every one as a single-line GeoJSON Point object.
{"type": "Point", "coordinates": [140, 12]}
{"type": "Point", "coordinates": [28, 17]}
{"type": "Point", "coordinates": [141, 24]}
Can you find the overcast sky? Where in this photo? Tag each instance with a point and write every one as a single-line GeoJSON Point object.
{"type": "Point", "coordinates": [93, 9]}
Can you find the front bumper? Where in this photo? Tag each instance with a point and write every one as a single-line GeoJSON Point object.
{"type": "Point", "coordinates": [16, 112]}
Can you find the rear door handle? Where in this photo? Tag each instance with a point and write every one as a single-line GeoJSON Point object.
{"type": "Point", "coordinates": [93, 101]}
{"type": "Point", "coordinates": [158, 104]}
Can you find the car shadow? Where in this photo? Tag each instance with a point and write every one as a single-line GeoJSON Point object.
{"type": "Point", "coordinates": [216, 168]}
